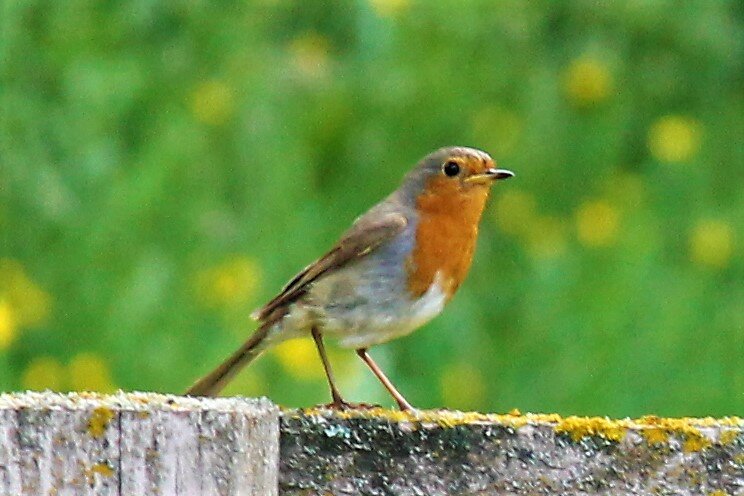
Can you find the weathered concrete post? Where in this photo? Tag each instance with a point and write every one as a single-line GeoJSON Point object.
{"type": "Point", "coordinates": [137, 444]}
{"type": "Point", "coordinates": [379, 452]}
{"type": "Point", "coordinates": [141, 444]}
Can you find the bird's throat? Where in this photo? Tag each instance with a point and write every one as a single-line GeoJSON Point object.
{"type": "Point", "coordinates": [446, 234]}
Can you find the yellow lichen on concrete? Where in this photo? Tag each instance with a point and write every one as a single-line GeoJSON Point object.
{"type": "Point", "coordinates": [99, 421]}
{"type": "Point", "coordinates": [90, 395]}
{"type": "Point", "coordinates": [581, 427]}
{"type": "Point", "coordinates": [103, 469]}
{"type": "Point", "coordinates": [695, 443]}
{"type": "Point", "coordinates": [655, 435]}
{"type": "Point", "coordinates": [655, 430]}
{"type": "Point", "coordinates": [726, 421]}
{"type": "Point", "coordinates": [442, 418]}
{"type": "Point", "coordinates": [728, 436]}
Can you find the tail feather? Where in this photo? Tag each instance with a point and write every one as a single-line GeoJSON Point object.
{"type": "Point", "coordinates": [212, 383]}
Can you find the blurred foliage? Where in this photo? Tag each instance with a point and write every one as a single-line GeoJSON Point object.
{"type": "Point", "coordinates": [167, 166]}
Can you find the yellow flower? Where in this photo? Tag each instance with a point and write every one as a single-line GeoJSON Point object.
{"type": "Point", "coordinates": [212, 102]}
{"type": "Point", "coordinates": [674, 138]}
{"type": "Point", "coordinates": [597, 223]}
{"type": "Point", "coordinates": [462, 387]}
{"type": "Point", "coordinates": [230, 284]}
{"type": "Point", "coordinates": [7, 324]}
{"type": "Point", "coordinates": [712, 243]}
{"type": "Point", "coordinates": [30, 304]}
{"type": "Point", "coordinates": [515, 211]}
{"type": "Point", "coordinates": [546, 237]}
{"type": "Point", "coordinates": [389, 8]}
{"type": "Point", "coordinates": [587, 82]}
{"type": "Point", "coordinates": [44, 373]}
{"type": "Point", "coordinates": [309, 54]}
{"type": "Point", "coordinates": [89, 372]}
{"type": "Point", "coordinates": [299, 358]}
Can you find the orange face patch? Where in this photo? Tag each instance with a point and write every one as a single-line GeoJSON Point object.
{"type": "Point", "coordinates": [449, 213]}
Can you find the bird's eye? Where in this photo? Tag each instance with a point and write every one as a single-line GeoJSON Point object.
{"type": "Point", "coordinates": [451, 169]}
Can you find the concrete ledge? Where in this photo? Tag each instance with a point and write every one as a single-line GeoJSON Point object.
{"type": "Point", "coordinates": [379, 452]}
{"type": "Point", "coordinates": [141, 444]}
{"type": "Point", "coordinates": [137, 444]}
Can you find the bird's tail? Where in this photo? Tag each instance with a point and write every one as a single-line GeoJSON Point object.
{"type": "Point", "coordinates": [212, 383]}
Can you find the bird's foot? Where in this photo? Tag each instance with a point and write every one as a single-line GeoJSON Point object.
{"type": "Point", "coordinates": [342, 405]}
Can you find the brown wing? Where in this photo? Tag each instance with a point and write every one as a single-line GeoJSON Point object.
{"type": "Point", "coordinates": [363, 237]}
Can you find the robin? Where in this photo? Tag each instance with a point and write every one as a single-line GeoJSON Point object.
{"type": "Point", "coordinates": [389, 274]}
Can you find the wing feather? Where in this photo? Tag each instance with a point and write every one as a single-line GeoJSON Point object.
{"type": "Point", "coordinates": [368, 233]}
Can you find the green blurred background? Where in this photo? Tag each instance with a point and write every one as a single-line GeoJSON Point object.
{"type": "Point", "coordinates": [167, 166]}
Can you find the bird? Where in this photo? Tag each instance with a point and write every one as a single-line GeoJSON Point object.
{"type": "Point", "coordinates": [390, 273]}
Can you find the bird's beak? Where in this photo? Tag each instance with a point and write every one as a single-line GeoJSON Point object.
{"type": "Point", "coordinates": [490, 175]}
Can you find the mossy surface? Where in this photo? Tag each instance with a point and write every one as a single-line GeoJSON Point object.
{"type": "Point", "coordinates": [378, 452]}
{"type": "Point", "coordinates": [655, 430]}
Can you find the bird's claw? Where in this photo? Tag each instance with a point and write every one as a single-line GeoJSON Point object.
{"type": "Point", "coordinates": [342, 405]}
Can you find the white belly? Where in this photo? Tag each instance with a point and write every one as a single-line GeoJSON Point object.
{"type": "Point", "coordinates": [371, 324]}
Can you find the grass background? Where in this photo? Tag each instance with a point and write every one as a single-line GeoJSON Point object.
{"type": "Point", "coordinates": [167, 166]}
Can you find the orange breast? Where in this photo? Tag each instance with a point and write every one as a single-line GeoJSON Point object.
{"type": "Point", "coordinates": [446, 234]}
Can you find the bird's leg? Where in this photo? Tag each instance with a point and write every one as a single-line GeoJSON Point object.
{"type": "Point", "coordinates": [402, 403]}
{"type": "Point", "coordinates": [338, 402]}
